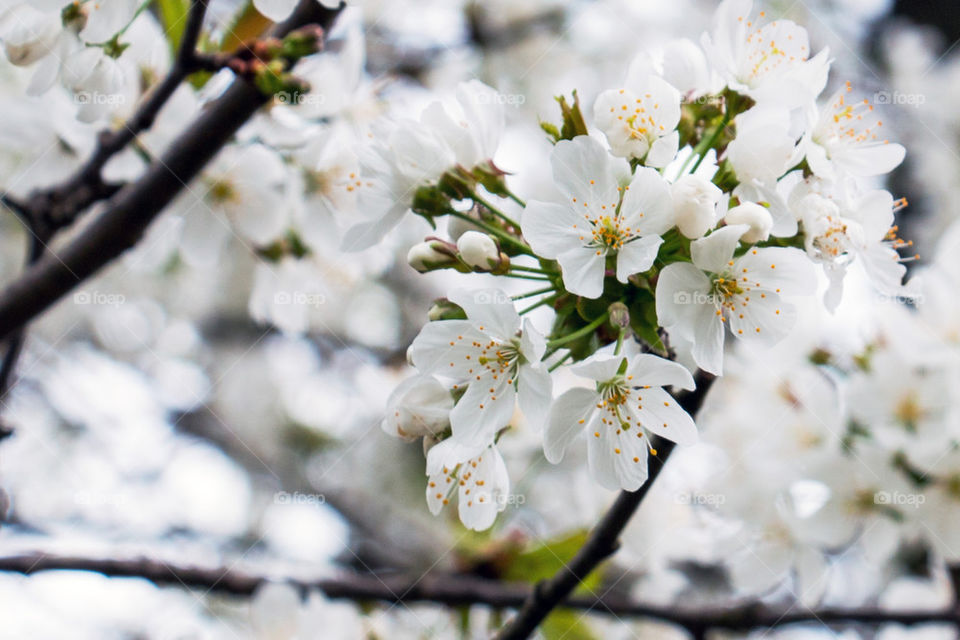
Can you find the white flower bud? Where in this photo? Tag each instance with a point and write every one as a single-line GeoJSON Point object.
{"type": "Point", "coordinates": [419, 406]}
{"type": "Point", "coordinates": [423, 257]}
{"type": "Point", "coordinates": [28, 34]}
{"type": "Point", "coordinates": [751, 213]}
{"type": "Point", "coordinates": [478, 250]}
{"type": "Point", "coordinates": [695, 205]}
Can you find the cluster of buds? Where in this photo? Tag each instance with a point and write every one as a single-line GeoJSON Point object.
{"type": "Point", "coordinates": [265, 62]}
{"type": "Point", "coordinates": [473, 251]}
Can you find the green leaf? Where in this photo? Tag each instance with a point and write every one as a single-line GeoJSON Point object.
{"type": "Point", "coordinates": [566, 625]}
{"type": "Point", "coordinates": [643, 319]}
{"type": "Point", "coordinates": [573, 124]}
{"type": "Point", "coordinates": [173, 17]}
{"type": "Point", "coordinates": [248, 24]}
{"type": "Point", "coordinates": [551, 130]}
{"type": "Point", "coordinates": [541, 562]}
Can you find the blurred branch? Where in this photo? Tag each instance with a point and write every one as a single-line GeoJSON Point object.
{"type": "Point", "coordinates": [458, 589]}
{"type": "Point", "coordinates": [136, 205]}
{"type": "Point", "coordinates": [374, 525]}
{"type": "Point", "coordinates": [602, 542]}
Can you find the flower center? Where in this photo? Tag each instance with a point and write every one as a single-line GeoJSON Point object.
{"type": "Point", "coordinates": [607, 234]}
{"type": "Point", "coordinates": [725, 289]}
{"type": "Point", "coordinates": [615, 394]}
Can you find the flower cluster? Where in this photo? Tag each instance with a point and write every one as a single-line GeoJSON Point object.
{"type": "Point", "coordinates": [701, 202]}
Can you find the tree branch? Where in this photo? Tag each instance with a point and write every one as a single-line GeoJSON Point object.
{"type": "Point", "coordinates": [135, 206]}
{"type": "Point", "coordinates": [601, 544]}
{"type": "Point", "coordinates": [458, 589]}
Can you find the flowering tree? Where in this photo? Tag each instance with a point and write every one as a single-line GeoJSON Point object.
{"type": "Point", "coordinates": [678, 279]}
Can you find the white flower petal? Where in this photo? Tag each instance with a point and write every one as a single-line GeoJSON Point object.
{"type": "Point", "coordinates": [582, 171]}
{"type": "Point", "coordinates": [713, 253]}
{"type": "Point", "coordinates": [680, 288]}
{"type": "Point", "coordinates": [647, 204]}
{"type": "Point", "coordinates": [490, 310]}
{"type": "Point", "coordinates": [663, 150]}
{"type": "Point", "coordinates": [637, 256]}
{"type": "Point", "coordinates": [567, 418]}
{"type": "Point", "coordinates": [662, 414]}
{"type": "Point", "coordinates": [648, 369]}
{"type": "Point", "coordinates": [534, 394]}
{"type": "Point", "coordinates": [481, 413]}
{"type": "Point", "coordinates": [552, 229]}
{"type": "Point", "coordinates": [583, 271]}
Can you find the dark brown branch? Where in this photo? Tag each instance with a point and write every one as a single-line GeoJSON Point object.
{"type": "Point", "coordinates": [457, 589]}
{"type": "Point", "coordinates": [135, 206]}
{"type": "Point", "coordinates": [601, 544]}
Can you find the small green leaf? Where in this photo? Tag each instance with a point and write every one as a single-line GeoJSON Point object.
{"type": "Point", "coordinates": [173, 17]}
{"type": "Point", "coordinates": [248, 24]}
{"type": "Point", "coordinates": [566, 625]}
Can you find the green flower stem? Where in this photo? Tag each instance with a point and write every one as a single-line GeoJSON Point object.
{"type": "Point", "coordinates": [494, 210]}
{"type": "Point", "coordinates": [530, 294]}
{"type": "Point", "coordinates": [523, 276]}
{"type": "Point", "coordinates": [539, 303]}
{"type": "Point", "coordinates": [707, 143]}
{"type": "Point", "coordinates": [499, 233]}
{"type": "Point", "coordinates": [520, 267]}
{"type": "Point", "coordinates": [556, 365]}
{"type": "Point", "coordinates": [579, 333]}
{"type": "Point", "coordinates": [619, 346]}
{"type": "Point", "coordinates": [515, 198]}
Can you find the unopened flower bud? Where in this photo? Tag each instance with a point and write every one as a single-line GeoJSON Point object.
{"type": "Point", "coordinates": [478, 250]}
{"type": "Point", "coordinates": [426, 256]}
{"type": "Point", "coordinates": [28, 34]}
{"type": "Point", "coordinates": [695, 205]}
{"type": "Point", "coordinates": [619, 315]}
{"type": "Point", "coordinates": [751, 213]}
{"type": "Point", "coordinates": [443, 309]}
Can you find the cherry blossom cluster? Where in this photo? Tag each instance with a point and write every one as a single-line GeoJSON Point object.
{"type": "Point", "coordinates": [709, 195]}
{"type": "Point", "coordinates": [713, 193]}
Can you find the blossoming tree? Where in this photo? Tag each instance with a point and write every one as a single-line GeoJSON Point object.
{"type": "Point", "coordinates": [665, 302]}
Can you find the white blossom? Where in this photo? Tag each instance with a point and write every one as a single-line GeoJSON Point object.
{"type": "Point", "coordinates": [495, 356]}
{"type": "Point", "coordinates": [619, 415]}
{"type": "Point", "coordinates": [717, 290]}
{"type": "Point", "coordinates": [598, 219]}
